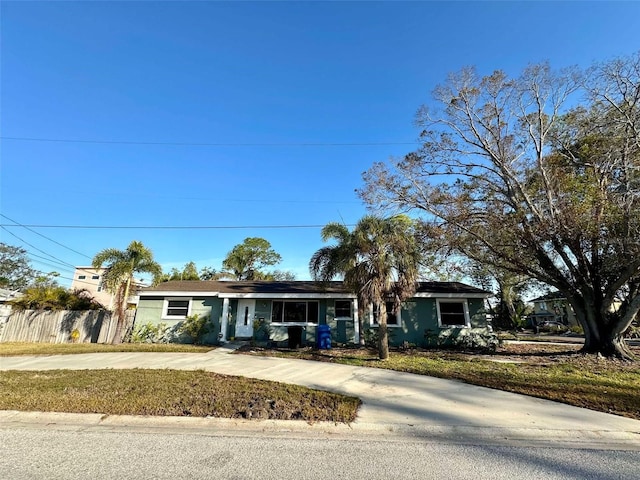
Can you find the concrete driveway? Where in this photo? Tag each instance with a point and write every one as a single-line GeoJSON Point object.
{"type": "Point", "coordinates": [393, 402]}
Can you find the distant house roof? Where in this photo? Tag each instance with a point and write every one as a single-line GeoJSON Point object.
{"type": "Point", "coordinates": [240, 288]}
{"type": "Point", "coordinates": [7, 295]}
{"type": "Point", "coordinates": [550, 296]}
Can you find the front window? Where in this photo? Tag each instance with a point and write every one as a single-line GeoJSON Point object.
{"type": "Point", "coordinates": [392, 316]}
{"type": "Point", "coordinates": [177, 308]}
{"type": "Point", "coordinates": [343, 309]}
{"type": "Point", "coordinates": [453, 313]}
{"type": "Point", "coordinates": [294, 312]}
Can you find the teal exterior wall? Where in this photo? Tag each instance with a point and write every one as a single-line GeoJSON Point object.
{"type": "Point", "coordinates": [418, 326]}
{"type": "Point", "coordinates": [150, 310]}
{"type": "Point", "coordinates": [420, 319]}
{"type": "Point", "coordinates": [342, 331]}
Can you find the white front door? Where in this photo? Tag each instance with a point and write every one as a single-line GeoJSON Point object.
{"type": "Point", "coordinates": [244, 320]}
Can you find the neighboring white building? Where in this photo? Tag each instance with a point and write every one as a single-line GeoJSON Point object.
{"type": "Point", "coordinates": [90, 279]}
{"type": "Point", "coordinates": [5, 308]}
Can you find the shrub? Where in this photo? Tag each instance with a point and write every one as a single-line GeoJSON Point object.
{"type": "Point", "coordinates": [488, 341]}
{"type": "Point", "coordinates": [149, 333]}
{"type": "Point", "coordinates": [196, 327]}
{"type": "Point", "coordinates": [483, 340]}
{"type": "Point", "coordinates": [261, 331]}
{"type": "Point", "coordinates": [576, 329]}
{"type": "Point", "coordinates": [372, 337]}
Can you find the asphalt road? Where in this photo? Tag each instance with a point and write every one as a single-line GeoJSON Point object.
{"type": "Point", "coordinates": [42, 452]}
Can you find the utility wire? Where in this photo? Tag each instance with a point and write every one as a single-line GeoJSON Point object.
{"type": "Point", "coordinates": [60, 266]}
{"type": "Point", "coordinates": [44, 236]}
{"type": "Point", "coordinates": [212, 144]}
{"type": "Point", "coordinates": [167, 227]}
{"type": "Point", "coordinates": [54, 263]}
{"type": "Point", "coordinates": [34, 247]}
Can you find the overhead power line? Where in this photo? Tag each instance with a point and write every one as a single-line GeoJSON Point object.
{"type": "Point", "coordinates": [212, 144]}
{"type": "Point", "coordinates": [45, 237]}
{"type": "Point", "coordinates": [168, 227]}
{"type": "Point", "coordinates": [34, 247]}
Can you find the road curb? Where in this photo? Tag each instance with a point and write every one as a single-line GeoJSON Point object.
{"type": "Point", "coordinates": [356, 431]}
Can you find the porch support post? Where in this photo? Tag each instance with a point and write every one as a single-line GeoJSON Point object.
{"type": "Point", "coordinates": [356, 323]}
{"type": "Point", "coordinates": [224, 323]}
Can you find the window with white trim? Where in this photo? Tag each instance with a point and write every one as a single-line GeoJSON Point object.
{"type": "Point", "coordinates": [294, 311]}
{"type": "Point", "coordinates": [453, 313]}
{"type": "Point", "coordinates": [95, 277]}
{"type": "Point", "coordinates": [82, 277]}
{"type": "Point", "coordinates": [393, 319]}
{"type": "Point", "coordinates": [176, 308]}
{"type": "Point", "coordinates": [343, 309]}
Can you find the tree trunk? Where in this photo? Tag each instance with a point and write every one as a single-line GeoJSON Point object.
{"type": "Point", "coordinates": [117, 336]}
{"type": "Point", "coordinates": [383, 334]}
{"type": "Point", "coordinates": [121, 303]}
{"type": "Point", "coordinates": [361, 322]}
{"type": "Point", "coordinates": [602, 335]}
{"type": "Point", "coordinates": [607, 345]}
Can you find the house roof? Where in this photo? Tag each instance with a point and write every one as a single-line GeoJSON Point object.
{"type": "Point", "coordinates": [294, 287]}
{"type": "Point", "coordinates": [550, 296]}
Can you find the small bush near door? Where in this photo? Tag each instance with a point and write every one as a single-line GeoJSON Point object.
{"type": "Point", "coordinates": [196, 327]}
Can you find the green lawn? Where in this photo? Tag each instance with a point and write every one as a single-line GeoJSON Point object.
{"type": "Point", "coordinates": [169, 392]}
{"type": "Point", "coordinates": [23, 348]}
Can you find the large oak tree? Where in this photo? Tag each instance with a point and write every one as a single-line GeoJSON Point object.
{"type": "Point", "coordinates": [537, 174]}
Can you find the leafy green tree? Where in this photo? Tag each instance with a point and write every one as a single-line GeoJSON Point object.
{"type": "Point", "coordinates": [50, 296]}
{"type": "Point", "coordinates": [16, 272]}
{"type": "Point", "coordinates": [508, 289]}
{"type": "Point", "coordinates": [188, 272]}
{"type": "Point", "coordinates": [121, 266]}
{"type": "Point", "coordinates": [210, 273]}
{"type": "Point", "coordinates": [281, 276]}
{"type": "Point", "coordinates": [379, 261]}
{"type": "Point", "coordinates": [538, 175]}
{"type": "Point", "coordinates": [247, 260]}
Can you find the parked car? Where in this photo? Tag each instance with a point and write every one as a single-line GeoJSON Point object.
{"type": "Point", "coordinates": [552, 326]}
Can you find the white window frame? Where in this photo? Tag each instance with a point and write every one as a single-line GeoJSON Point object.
{"type": "Point", "coordinates": [465, 307]}
{"type": "Point", "coordinates": [165, 308]}
{"type": "Point", "coordinates": [398, 323]}
{"type": "Point", "coordinates": [295, 324]}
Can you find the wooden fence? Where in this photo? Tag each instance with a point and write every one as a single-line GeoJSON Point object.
{"type": "Point", "coordinates": [94, 326]}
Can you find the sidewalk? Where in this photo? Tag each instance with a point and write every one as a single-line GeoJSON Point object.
{"type": "Point", "coordinates": [394, 403]}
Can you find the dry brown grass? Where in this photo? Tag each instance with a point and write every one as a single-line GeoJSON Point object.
{"type": "Point", "coordinates": [24, 348]}
{"type": "Point", "coordinates": [169, 392]}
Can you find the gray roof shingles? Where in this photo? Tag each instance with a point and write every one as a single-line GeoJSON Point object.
{"type": "Point", "coordinates": [292, 287]}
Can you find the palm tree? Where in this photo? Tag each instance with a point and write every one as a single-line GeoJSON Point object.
{"type": "Point", "coordinates": [121, 265]}
{"type": "Point", "coordinates": [379, 260]}
{"type": "Point", "coordinates": [338, 260]}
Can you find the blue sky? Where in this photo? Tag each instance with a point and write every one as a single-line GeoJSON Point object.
{"type": "Point", "coordinates": [239, 114]}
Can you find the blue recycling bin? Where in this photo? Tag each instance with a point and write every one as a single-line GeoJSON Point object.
{"type": "Point", "coordinates": [323, 337]}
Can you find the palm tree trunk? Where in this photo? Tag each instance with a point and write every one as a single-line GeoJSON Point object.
{"type": "Point", "coordinates": [361, 310]}
{"type": "Point", "coordinates": [123, 295]}
{"type": "Point", "coordinates": [383, 334]}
